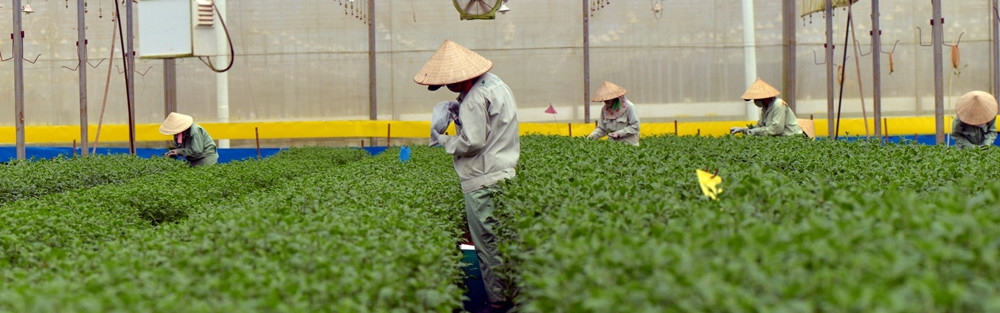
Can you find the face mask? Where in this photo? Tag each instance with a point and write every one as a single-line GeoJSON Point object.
{"type": "Point", "coordinates": [759, 103]}
{"type": "Point", "coordinates": [615, 104]}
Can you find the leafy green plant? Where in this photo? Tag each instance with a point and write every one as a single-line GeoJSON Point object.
{"type": "Point", "coordinates": [892, 227]}
{"type": "Point", "coordinates": [36, 178]}
{"type": "Point", "coordinates": [803, 226]}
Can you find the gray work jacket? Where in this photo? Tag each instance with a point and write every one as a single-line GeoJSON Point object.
{"type": "Point", "coordinates": [487, 142]}
{"type": "Point", "coordinates": [625, 122]}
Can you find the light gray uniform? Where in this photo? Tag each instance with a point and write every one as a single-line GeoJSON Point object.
{"type": "Point", "coordinates": [777, 119]}
{"type": "Point", "coordinates": [486, 147]}
{"type": "Point", "coordinates": [624, 122]}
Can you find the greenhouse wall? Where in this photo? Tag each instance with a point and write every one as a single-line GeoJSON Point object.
{"type": "Point", "coordinates": [308, 60]}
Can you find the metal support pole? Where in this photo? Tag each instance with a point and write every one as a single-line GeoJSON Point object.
{"type": "Point", "coordinates": [18, 37]}
{"type": "Point", "coordinates": [749, 55]}
{"type": "Point", "coordinates": [788, 86]}
{"type": "Point", "coordinates": [586, 61]}
{"type": "Point", "coordinates": [937, 28]}
{"type": "Point", "coordinates": [169, 86]}
{"type": "Point", "coordinates": [130, 76]}
{"type": "Point", "coordinates": [372, 90]}
{"type": "Point", "coordinates": [81, 51]}
{"type": "Point", "coordinates": [222, 79]}
{"type": "Point", "coordinates": [829, 68]}
{"type": "Point", "coordinates": [876, 69]}
{"type": "Point", "coordinates": [995, 46]}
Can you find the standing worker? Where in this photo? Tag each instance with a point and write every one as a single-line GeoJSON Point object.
{"type": "Point", "coordinates": [486, 146]}
{"type": "Point", "coordinates": [192, 141]}
{"type": "Point", "coordinates": [976, 124]}
{"type": "Point", "coordinates": [618, 119]}
{"type": "Point", "coordinates": [776, 118]}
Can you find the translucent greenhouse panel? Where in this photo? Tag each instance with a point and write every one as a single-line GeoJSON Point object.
{"type": "Point", "coordinates": [309, 61]}
{"type": "Point", "coordinates": [813, 6]}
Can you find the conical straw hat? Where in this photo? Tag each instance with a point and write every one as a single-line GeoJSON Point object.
{"type": "Point", "coordinates": [808, 127]}
{"type": "Point", "coordinates": [451, 64]}
{"type": "Point", "coordinates": [760, 90]}
{"type": "Point", "coordinates": [608, 91]}
{"type": "Point", "coordinates": [976, 108]}
{"type": "Point", "coordinates": [176, 123]}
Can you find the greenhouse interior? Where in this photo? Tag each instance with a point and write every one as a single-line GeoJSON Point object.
{"type": "Point", "coordinates": [584, 156]}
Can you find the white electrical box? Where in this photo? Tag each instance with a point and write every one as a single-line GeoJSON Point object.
{"type": "Point", "coordinates": [177, 28]}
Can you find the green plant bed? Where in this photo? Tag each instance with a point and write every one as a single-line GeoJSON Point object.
{"type": "Point", "coordinates": [801, 226]}
{"type": "Point", "coordinates": [62, 224]}
{"type": "Point", "coordinates": [35, 178]}
{"type": "Point", "coordinates": [371, 236]}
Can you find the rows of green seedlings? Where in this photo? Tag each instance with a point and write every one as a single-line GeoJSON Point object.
{"type": "Point", "coordinates": [60, 225]}
{"type": "Point", "coordinates": [801, 226]}
{"type": "Point", "coordinates": [371, 236]}
{"type": "Point", "coordinates": [20, 180]}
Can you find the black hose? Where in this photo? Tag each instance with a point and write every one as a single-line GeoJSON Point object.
{"type": "Point", "coordinates": [131, 114]}
{"type": "Point", "coordinates": [840, 102]}
{"type": "Point", "coordinates": [232, 50]}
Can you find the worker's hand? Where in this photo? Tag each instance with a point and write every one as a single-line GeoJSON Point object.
{"type": "Point", "coordinates": [614, 135]}
{"type": "Point", "coordinates": [738, 130]}
{"type": "Point", "coordinates": [453, 107]}
{"type": "Point", "coordinates": [434, 139]}
{"type": "Point", "coordinates": [985, 147]}
{"type": "Point", "coordinates": [171, 153]}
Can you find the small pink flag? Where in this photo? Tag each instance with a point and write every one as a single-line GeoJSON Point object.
{"type": "Point", "coordinates": [550, 110]}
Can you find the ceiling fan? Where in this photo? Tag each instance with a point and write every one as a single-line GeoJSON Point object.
{"type": "Point", "coordinates": [477, 9]}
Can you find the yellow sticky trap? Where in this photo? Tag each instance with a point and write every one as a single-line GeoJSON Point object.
{"type": "Point", "coordinates": [709, 183]}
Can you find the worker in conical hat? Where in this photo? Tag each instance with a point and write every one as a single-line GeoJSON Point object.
{"type": "Point", "coordinates": [976, 122]}
{"type": "Point", "coordinates": [191, 140]}
{"type": "Point", "coordinates": [618, 118]}
{"type": "Point", "coordinates": [776, 118]}
{"type": "Point", "coordinates": [486, 146]}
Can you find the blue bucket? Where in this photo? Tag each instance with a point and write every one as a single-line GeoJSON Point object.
{"type": "Point", "coordinates": [475, 289]}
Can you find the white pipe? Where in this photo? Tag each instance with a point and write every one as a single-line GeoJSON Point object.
{"type": "Point", "coordinates": [749, 55]}
{"type": "Point", "coordinates": [222, 79]}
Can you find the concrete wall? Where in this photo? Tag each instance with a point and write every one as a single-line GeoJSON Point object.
{"type": "Point", "coordinates": [307, 60]}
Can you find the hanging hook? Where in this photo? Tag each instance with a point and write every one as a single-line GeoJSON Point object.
{"type": "Point", "coordinates": [920, 33]}
{"type": "Point", "coordinates": [863, 53]}
{"type": "Point", "coordinates": [861, 48]}
{"type": "Point", "coordinates": [32, 61]}
{"type": "Point", "coordinates": [88, 63]}
{"type": "Point", "coordinates": [816, 59]}
{"type": "Point", "coordinates": [957, 41]}
{"type": "Point", "coordinates": [893, 47]}
{"type": "Point", "coordinates": [143, 73]}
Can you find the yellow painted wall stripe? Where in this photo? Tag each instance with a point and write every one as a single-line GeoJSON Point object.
{"type": "Point", "coordinates": [65, 134]}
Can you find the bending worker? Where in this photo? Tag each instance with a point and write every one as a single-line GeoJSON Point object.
{"type": "Point", "coordinates": [618, 119]}
{"type": "Point", "coordinates": [193, 142]}
{"type": "Point", "coordinates": [976, 124]}
{"type": "Point", "coordinates": [486, 146]}
{"type": "Point", "coordinates": [776, 118]}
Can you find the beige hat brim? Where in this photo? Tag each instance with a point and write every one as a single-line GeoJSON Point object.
{"type": "Point", "coordinates": [176, 123]}
{"type": "Point", "coordinates": [976, 108]}
{"type": "Point", "coordinates": [452, 63]}
{"type": "Point", "coordinates": [760, 90]}
{"type": "Point", "coordinates": [607, 92]}
{"type": "Point", "coordinates": [808, 127]}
